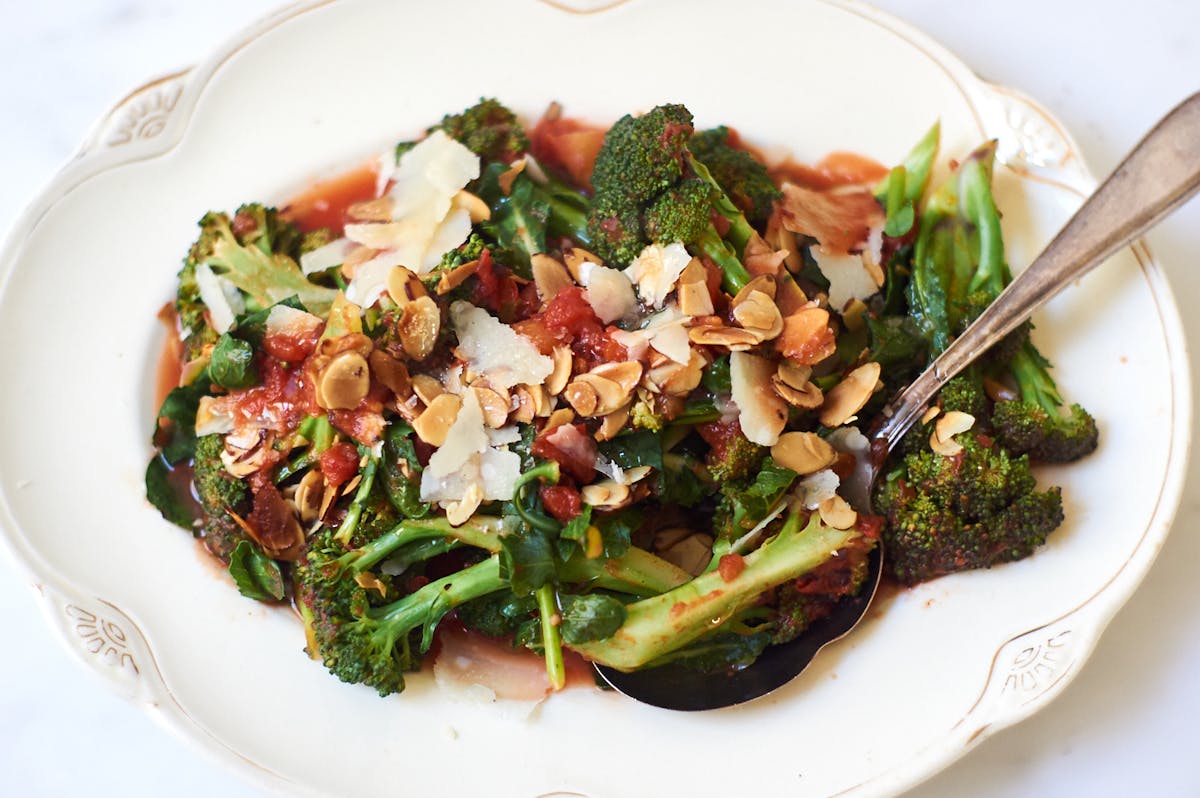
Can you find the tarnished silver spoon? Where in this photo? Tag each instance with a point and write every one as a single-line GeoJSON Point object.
{"type": "Point", "coordinates": [1160, 174]}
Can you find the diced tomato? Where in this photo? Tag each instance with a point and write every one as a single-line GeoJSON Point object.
{"type": "Point", "coordinates": [284, 392]}
{"type": "Point", "coordinates": [870, 526]}
{"type": "Point", "coordinates": [719, 435]}
{"type": "Point", "coordinates": [339, 463]}
{"type": "Point", "coordinates": [535, 330]}
{"type": "Point", "coordinates": [495, 288]}
{"type": "Point", "coordinates": [292, 348]}
{"type": "Point", "coordinates": [561, 501]}
{"type": "Point", "coordinates": [567, 144]}
{"type": "Point", "coordinates": [570, 319]}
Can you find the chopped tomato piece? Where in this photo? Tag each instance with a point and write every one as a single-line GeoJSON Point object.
{"type": "Point", "coordinates": [561, 501]}
{"type": "Point", "coordinates": [339, 463]}
{"type": "Point", "coordinates": [567, 144]}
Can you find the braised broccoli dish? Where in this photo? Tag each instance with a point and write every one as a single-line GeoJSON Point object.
{"type": "Point", "coordinates": [590, 393]}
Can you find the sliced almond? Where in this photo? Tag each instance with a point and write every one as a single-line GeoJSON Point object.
{"type": "Point", "coordinates": [459, 512]}
{"type": "Point", "coordinates": [247, 452]}
{"type": "Point", "coordinates": [581, 396]}
{"type": "Point", "coordinates": [612, 424]}
{"type": "Point", "coordinates": [543, 403]}
{"type": "Point", "coordinates": [476, 208]}
{"type": "Point", "coordinates": [343, 383]}
{"type": "Point", "coordinates": [951, 424]}
{"type": "Point", "coordinates": [854, 315]}
{"type": "Point", "coordinates": [549, 276]}
{"type": "Point", "coordinates": [675, 379]}
{"type": "Point", "coordinates": [807, 397]}
{"type": "Point", "coordinates": [427, 388]}
{"type": "Point", "coordinates": [391, 373]}
{"type": "Point", "coordinates": [735, 339]}
{"type": "Point", "coordinates": [764, 283]}
{"type": "Point", "coordinates": [563, 362]}
{"type": "Point", "coordinates": [308, 495]}
{"type": "Point", "coordinates": [610, 395]}
{"type": "Point", "coordinates": [403, 286]}
{"type": "Point", "coordinates": [848, 396]}
{"type": "Point", "coordinates": [575, 257]}
{"type": "Point", "coordinates": [792, 375]}
{"type": "Point", "coordinates": [625, 374]}
{"type": "Point", "coordinates": [835, 512]}
{"type": "Point", "coordinates": [507, 177]}
{"type": "Point", "coordinates": [457, 276]}
{"type": "Point", "coordinates": [806, 338]}
{"type": "Point", "coordinates": [694, 299]}
{"type": "Point", "coordinates": [419, 325]}
{"type": "Point", "coordinates": [606, 494]}
{"type": "Point", "coordinates": [563, 415]}
{"type": "Point", "coordinates": [433, 424]}
{"type": "Point", "coordinates": [762, 415]}
{"type": "Point", "coordinates": [494, 406]}
{"type": "Point", "coordinates": [930, 414]}
{"type": "Point", "coordinates": [803, 452]}
{"type": "Point", "coordinates": [757, 312]}
{"type": "Point", "coordinates": [522, 406]}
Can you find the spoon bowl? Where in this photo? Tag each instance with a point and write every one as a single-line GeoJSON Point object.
{"type": "Point", "coordinates": [1160, 174]}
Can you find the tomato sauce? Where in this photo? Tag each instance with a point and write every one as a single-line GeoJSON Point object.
{"type": "Point", "coordinates": [325, 203]}
{"type": "Point", "coordinates": [833, 171]}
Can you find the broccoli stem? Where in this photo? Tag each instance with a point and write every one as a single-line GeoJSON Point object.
{"type": "Point", "coordinates": [547, 603]}
{"type": "Point", "coordinates": [1034, 382]}
{"type": "Point", "coordinates": [661, 624]}
{"type": "Point", "coordinates": [350, 522]}
{"type": "Point", "coordinates": [428, 605]}
{"type": "Point", "coordinates": [319, 431]}
{"type": "Point", "coordinates": [637, 572]}
{"type": "Point", "coordinates": [733, 274]}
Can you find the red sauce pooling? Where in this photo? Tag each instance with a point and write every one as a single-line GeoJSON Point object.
{"type": "Point", "coordinates": [170, 358]}
{"type": "Point", "coordinates": [324, 203]}
{"type": "Point", "coordinates": [834, 170]}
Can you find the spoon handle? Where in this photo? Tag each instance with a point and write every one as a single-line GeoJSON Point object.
{"type": "Point", "coordinates": [1156, 177]}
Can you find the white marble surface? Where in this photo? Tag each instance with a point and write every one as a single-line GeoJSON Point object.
{"type": "Point", "coordinates": [1107, 68]}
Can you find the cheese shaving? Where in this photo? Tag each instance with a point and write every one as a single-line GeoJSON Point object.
{"type": "Point", "coordinates": [656, 269]}
{"type": "Point", "coordinates": [495, 350]}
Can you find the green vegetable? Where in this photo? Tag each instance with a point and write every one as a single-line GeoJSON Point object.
{"type": "Point", "coordinates": [232, 366]}
{"type": "Point", "coordinates": [590, 617]}
{"type": "Point", "coordinates": [256, 575]}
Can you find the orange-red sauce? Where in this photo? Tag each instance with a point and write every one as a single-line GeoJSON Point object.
{"type": "Point", "coordinates": [325, 202]}
{"type": "Point", "coordinates": [834, 170]}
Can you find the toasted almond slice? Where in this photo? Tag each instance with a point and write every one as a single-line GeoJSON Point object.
{"type": "Point", "coordinates": [612, 424]}
{"type": "Point", "coordinates": [792, 375]}
{"type": "Point", "coordinates": [735, 339]}
{"type": "Point", "coordinates": [343, 383]}
{"type": "Point", "coordinates": [391, 373]}
{"type": "Point", "coordinates": [494, 406]}
{"type": "Point", "coordinates": [854, 315]}
{"type": "Point", "coordinates": [848, 396]}
{"type": "Point", "coordinates": [459, 512]}
{"type": "Point", "coordinates": [433, 424]}
{"type": "Point", "coordinates": [930, 414]}
{"type": "Point", "coordinates": [369, 581]}
{"type": "Point", "coordinates": [309, 494]}
{"type": "Point", "coordinates": [803, 452]}
{"type": "Point", "coordinates": [762, 415]}
{"type": "Point", "coordinates": [427, 388]}
{"type": "Point", "coordinates": [522, 406]}
{"type": "Point", "coordinates": [764, 283]}
{"type": "Point", "coordinates": [582, 396]}
{"type": "Point", "coordinates": [476, 208]}
{"type": "Point", "coordinates": [457, 276]}
{"type": "Point", "coordinates": [807, 397]}
{"type": "Point", "coordinates": [507, 177]}
{"type": "Point", "coordinates": [549, 275]}
{"type": "Point", "coordinates": [607, 494]}
{"type": "Point", "coordinates": [403, 286]}
{"type": "Point", "coordinates": [562, 415]}
{"type": "Point", "coordinates": [835, 512]}
{"type": "Point", "coordinates": [694, 273]}
{"type": "Point", "coordinates": [563, 362]}
{"type": "Point", "coordinates": [575, 257]}
{"type": "Point", "coordinates": [757, 312]}
{"type": "Point", "coordinates": [694, 299]}
{"type": "Point", "coordinates": [609, 394]}
{"type": "Point", "coordinates": [419, 324]}
{"type": "Point", "coordinates": [626, 373]}
{"type": "Point", "coordinates": [246, 453]}
{"type": "Point", "coordinates": [374, 210]}
{"type": "Point", "coordinates": [952, 423]}
{"type": "Point", "coordinates": [543, 403]}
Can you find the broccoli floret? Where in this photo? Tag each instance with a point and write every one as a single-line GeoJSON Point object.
{"type": "Point", "coordinates": [488, 129]}
{"type": "Point", "coordinates": [220, 493]}
{"type": "Point", "coordinates": [1040, 423]}
{"type": "Point", "coordinates": [965, 393]}
{"type": "Point", "coordinates": [806, 600]}
{"type": "Point", "coordinates": [657, 626]}
{"type": "Point", "coordinates": [733, 457]}
{"type": "Point", "coordinates": [745, 180]}
{"type": "Point", "coordinates": [973, 510]}
{"type": "Point", "coordinates": [650, 189]}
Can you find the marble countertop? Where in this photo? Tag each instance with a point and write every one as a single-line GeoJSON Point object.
{"type": "Point", "coordinates": [1108, 69]}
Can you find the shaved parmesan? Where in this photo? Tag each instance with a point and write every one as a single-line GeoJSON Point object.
{"type": "Point", "coordinates": [668, 335]}
{"type": "Point", "coordinates": [468, 458]}
{"type": "Point", "coordinates": [370, 278]}
{"type": "Point", "coordinates": [608, 291]}
{"type": "Point", "coordinates": [220, 296]}
{"type": "Point", "coordinates": [816, 488]}
{"type": "Point", "coordinates": [450, 232]}
{"type": "Point", "coordinates": [636, 342]}
{"type": "Point", "coordinates": [762, 414]}
{"type": "Point", "coordinates": [848, 276]}
{"type": "Point", "coordinates": [656, 269]}
{"type": "Point", "coordinates": [495, 350]}
{"type": "Point", "coordinates": [325, 257]}
{"type": "Point", "coordinates": [213, 416]}
{"type": "Point", "coordinates": [283, 320]}
{"type": "Point", "coordinates": [466, 437]}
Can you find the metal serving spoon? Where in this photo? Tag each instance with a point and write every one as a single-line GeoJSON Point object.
{"type": "Point", "coordinates": [1161, 173]}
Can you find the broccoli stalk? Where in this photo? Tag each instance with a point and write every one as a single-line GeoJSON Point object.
{"type": "Point", "coordinates": [1040, 423]}
{"type": "Point", "coordinates": [656, 626]}
{"type": "Point", "coordinates": [354, 514]}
